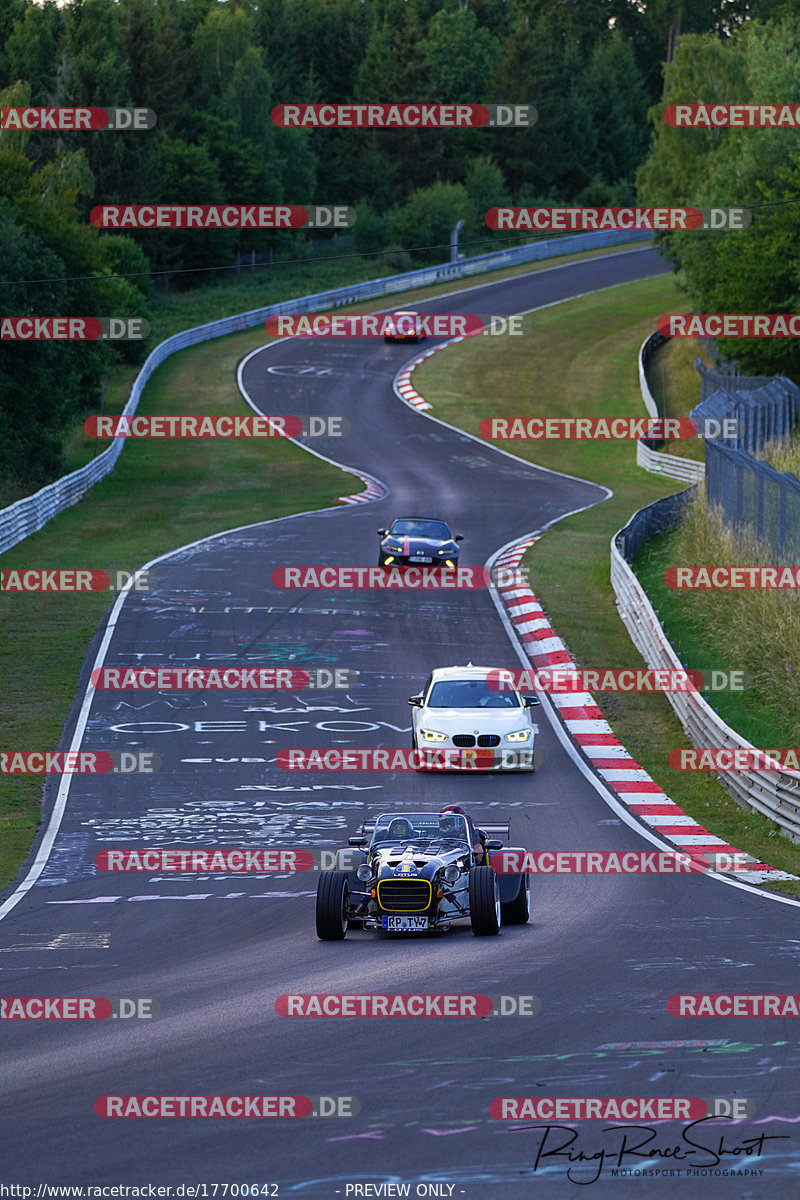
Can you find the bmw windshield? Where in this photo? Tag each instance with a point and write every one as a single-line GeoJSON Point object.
{"type": "Point", "coordinates": [469, 693]}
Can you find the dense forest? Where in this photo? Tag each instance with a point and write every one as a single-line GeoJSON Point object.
{"type": "Point", "coordinates": [597, 71]}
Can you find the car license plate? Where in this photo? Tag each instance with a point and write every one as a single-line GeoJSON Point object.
{"type": "Point", "coordinates": [419, 558]}
{"type": "Point", "coordinates": [480, 755]}
{"type": "Point", "coordinates": [405, 924]}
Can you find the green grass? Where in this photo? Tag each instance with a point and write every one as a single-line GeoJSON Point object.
{"type": "Point", "coordinates": [580, 359]}
{"type": "Point", "coordinates": [783, 456]}
{"type": "Point", "coordinates": [743, 629]}
{"type": "Point", "coordinates": [159, 496]}
{"type": "Point", "coordinates": [675, 387]}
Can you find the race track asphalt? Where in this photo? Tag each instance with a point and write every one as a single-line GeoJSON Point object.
{"type": "Point", "coordinates": [603, 954]}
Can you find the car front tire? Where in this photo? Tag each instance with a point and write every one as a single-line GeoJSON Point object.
{"type": "Point", "coordinates": [332, 894]}
{"type": "Point", "coordinates": [484, 902]}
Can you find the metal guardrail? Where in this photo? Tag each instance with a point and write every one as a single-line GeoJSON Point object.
{"type": "Point", "coordinates": [774, 794]}
{"type": "Point", "coordinates": [668, 465]}
{"type": "Point", "coordinates": [671, 466]}
{"type": "Point", "coordinates": [30, 514]}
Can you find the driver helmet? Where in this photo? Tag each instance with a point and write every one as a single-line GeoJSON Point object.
{"type": "Point", "coordinates": [447, 818]}
{"type": "Point", "coordinates": [399, 829]}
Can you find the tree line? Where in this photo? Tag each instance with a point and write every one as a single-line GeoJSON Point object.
{"type": "Point", "coordinates": [212, 71]}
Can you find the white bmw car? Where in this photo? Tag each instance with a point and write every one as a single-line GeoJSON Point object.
{"type": "Point", "coordinates": [479, 727]}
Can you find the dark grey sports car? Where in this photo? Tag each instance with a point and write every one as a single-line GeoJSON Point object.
{"type": "Point", "coordinates": [418, 540]}
{"type": "Point", "coordinates": [419, 872]}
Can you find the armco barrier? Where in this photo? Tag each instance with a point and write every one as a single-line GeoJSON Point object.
{"type": "Point", "coordinates": [774, 794]}
{"type": "Point", "coordinates": [26, 516]}
{"type": "Point", "coordinates": [668, 465]}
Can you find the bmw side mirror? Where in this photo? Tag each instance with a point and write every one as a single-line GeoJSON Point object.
{"type": "Point", "coordinates": [382, 532]}
{"type": "Point", "coordinates": [459, 537]}
{"type": "Point", "coordinates": [416, 700]}
{"type": "Point", "coordinates": [532, 701]}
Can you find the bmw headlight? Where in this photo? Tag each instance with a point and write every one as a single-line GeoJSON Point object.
{"type": "Point", "coordinates": [451, 872]}
{"type": "Point", "coordinates": [431, 736]}
{"type": "Point", "coordinates": [364, 873]}
{"type": "Point", "coordinates": [521, 735]}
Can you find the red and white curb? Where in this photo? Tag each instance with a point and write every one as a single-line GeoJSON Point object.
{"type": "Point", "coordinates": [402, 384]}
{"type": "Point", "coordinates": [584, 722]}
{"type": "Point", "coordinates": [375, 491]}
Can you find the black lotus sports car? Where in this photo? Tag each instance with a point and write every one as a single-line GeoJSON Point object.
{"type": "Point", "coordinates": [420, 871]}
{"type": "Point", "coordinates": [418, 540]}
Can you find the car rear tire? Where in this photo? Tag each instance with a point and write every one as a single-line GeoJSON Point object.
{"type": "Point", "coordinates": [332, 894]}
{"type": "Point", "coordinates": [518, 910]}
{"type": "Point", "coordinates": [484, 902]}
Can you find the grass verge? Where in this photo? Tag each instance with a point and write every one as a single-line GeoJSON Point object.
{"type": "Point", "coordinates": [675, 387]}
{"type": "Point", "coordinates": [743, 629]}
{"type": "Point", "coordinates": [579, 359]}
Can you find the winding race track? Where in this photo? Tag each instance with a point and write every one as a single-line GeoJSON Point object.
{"type": "Point", "coordinates": [603, 954]}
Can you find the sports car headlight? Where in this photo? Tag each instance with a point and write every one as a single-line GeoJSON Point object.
{"type": "Point", "coordinates": [451, 873]}
{"type": "Point", "coordinates": [521, 735]}
{"type": "Point", "coordinates": [431, 736]}
{"type": "Point", "coordinates": [364, 873]}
